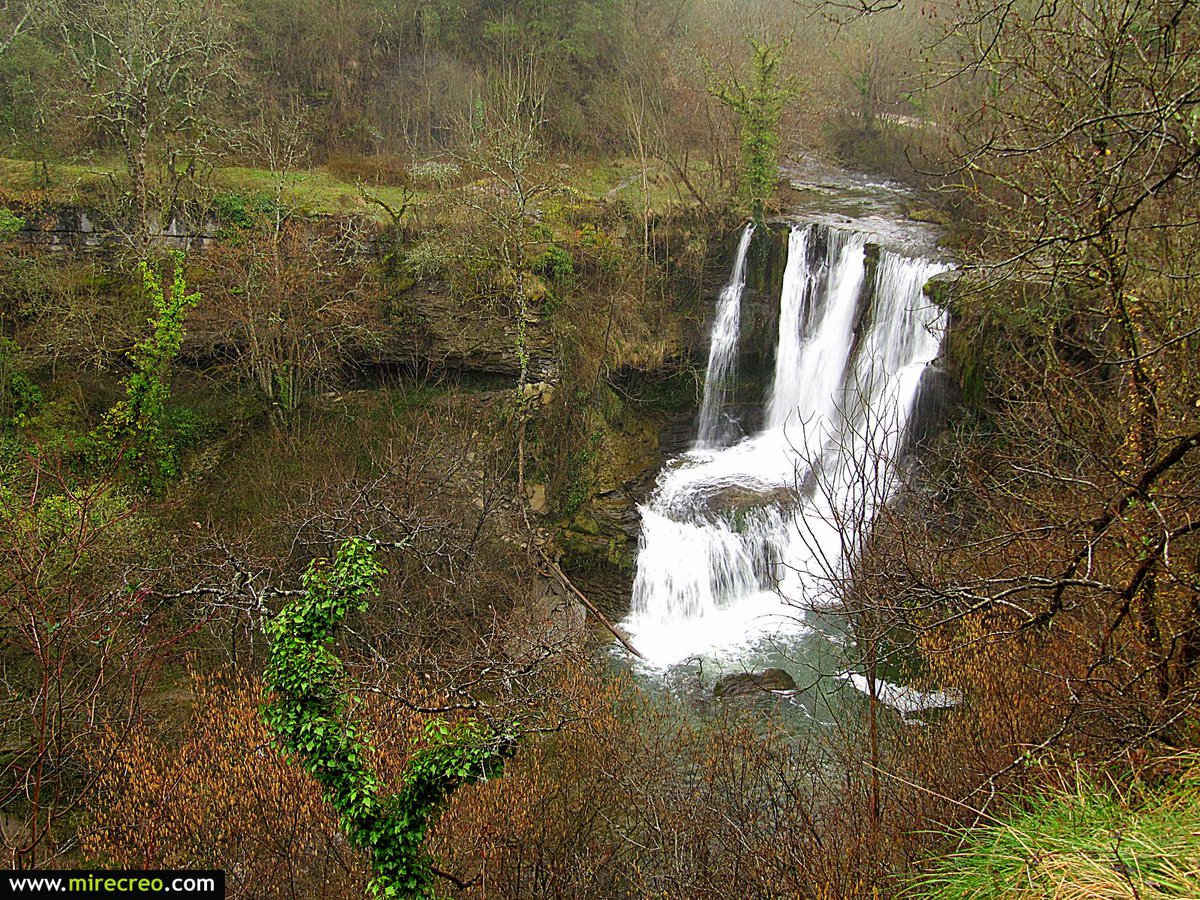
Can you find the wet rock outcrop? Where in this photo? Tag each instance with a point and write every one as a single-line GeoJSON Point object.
{"type": "Point", "coordinates": [753, 684]}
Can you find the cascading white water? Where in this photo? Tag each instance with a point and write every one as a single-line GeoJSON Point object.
{"type": "Point", "coordinates": [734, 538]}
{"type": "Point", "coordinates": [810, 365]}
{"type": "Point", "coordinates": [711, 430]}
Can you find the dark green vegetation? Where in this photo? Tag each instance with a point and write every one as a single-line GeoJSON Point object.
{"type": "Point", "coordinates": [139, 429]}
{"type": "Point", "coordinates": [759, 105]}
{"type": "Point", "coordinates": [440, 297]}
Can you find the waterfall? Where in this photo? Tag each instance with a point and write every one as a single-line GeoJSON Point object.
{"type": "Point", "coordinates": [712, 430]}
{"type": "Point", "coordinates": [811, 364]}
{"type": "Point", "coordinates": [735, 538]}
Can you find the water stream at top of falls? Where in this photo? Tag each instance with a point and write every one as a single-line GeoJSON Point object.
{"type": "Point", "coordinates": [737, 540]}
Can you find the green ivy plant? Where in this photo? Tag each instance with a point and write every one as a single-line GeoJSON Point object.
{"type": "Point", "coordinates": [309, 714]}
{"type": "Point", "coordinates": [19, 394]}
{"type": "Point", "coordinates": [10, 223]}
{"type": "Point", "coordinates": [759, 105]}
{"type": "Point", "coordinates": [140, 427]}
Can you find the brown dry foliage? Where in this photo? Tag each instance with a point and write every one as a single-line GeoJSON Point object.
{"type": "Point", "coordinates": [618, 795]}
{"type": "Point", "coordinates": [640, 798]}
{"type": "Point", "coordinates": [215, 794]}
{"type": "Point", "coordinates": [211, 791]}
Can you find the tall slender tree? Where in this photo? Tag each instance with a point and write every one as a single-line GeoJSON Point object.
{"type": "Point", "coordinates": [759, 101]}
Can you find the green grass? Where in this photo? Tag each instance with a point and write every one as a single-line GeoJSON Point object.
{"type": "Point", "coordinates": [318, 191]}
{"type": "Point", "coordinates": [314, 191]}
{"type": "Point", "coordinates": [620, 178]}
{"type": "Point", "coordinates": [596, 179]}
{"type": "Point", "coordinates": [69, 182]}
{"type": "Point", "coordinates": [1095, 841]}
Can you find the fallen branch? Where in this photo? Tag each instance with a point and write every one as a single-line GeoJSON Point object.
{"type": "Point", "coordinates": [591, 607]}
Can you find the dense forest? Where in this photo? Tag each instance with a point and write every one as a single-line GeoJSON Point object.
{"type": "Point", "coordinates": [342, 346]}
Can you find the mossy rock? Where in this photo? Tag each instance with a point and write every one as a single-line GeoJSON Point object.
{"type": "Point", "coordinates": [929, 215]}
{"type": "Point", "coordinates": [754, 684]}
{"type": "Point", "coordinates": [584, 524]}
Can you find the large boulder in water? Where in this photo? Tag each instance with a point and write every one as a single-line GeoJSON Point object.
{"type": "Point", "coordinates": [733, 501]}
{"type": "Point", "coordinates": [754, 684]}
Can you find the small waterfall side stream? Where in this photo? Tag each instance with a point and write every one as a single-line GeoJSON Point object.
{"type": "Point", "coordinates": [739, 539]}
{"type": "Point", "coordinates": [712, 430]}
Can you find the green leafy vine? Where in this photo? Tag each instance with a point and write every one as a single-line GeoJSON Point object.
{"type": "Point", "coordinates": [308, 712]}
{"type": "Point", "coordinates": [139, 425]}
{"type": "Point", "coordinates": [759, 104]}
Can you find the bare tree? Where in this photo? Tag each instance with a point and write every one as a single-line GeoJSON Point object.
{"type": "Point", "coordinates": [505, 145]}
{"type": "Point", "coordinates": [80, 639]}
{"type": "Point", "coordinates": [1083, 157]}
{"type": "Point", "coordinates": [154, 72]}
{"type": "Point", "coordinates": [845, 11]}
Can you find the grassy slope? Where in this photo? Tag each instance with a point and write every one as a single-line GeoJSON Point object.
{"type": "Point", "coordinates": [1094, 841]}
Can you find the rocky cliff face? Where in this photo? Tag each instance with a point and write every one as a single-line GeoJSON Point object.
{"type": "Point", "coordinates": [401, 327]}
{"type": "Point", "coordinates": [431, 331]}
{"type": "Point", "coordinates": [75, 227]}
